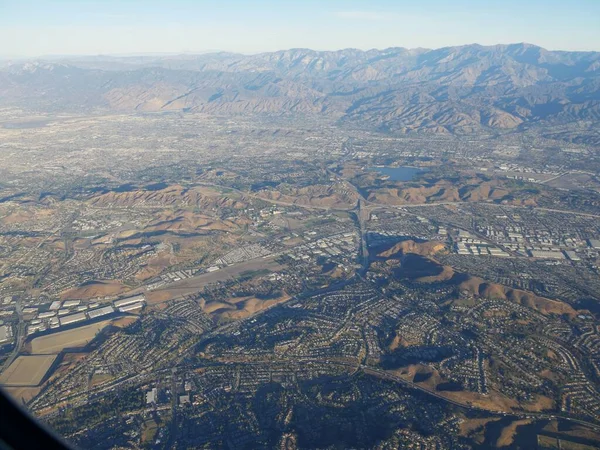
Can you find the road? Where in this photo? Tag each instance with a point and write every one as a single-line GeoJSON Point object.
{"type": "Point", "coordinates": [173, 425]}
{"type": "Point", "coordinates": [362, 217]}
{"type": "Point", "coordinates": [554, 177]}
{"type": "Point", "coordinates": [352, 369]}
{"type": "Point", "coordinates": [362, 211]}
{"type": "Point", "coordinates": [536, 208]}
{"type": "Point", "coordinates": [366, 202]}
{"type": "Point", "coordinates": [20, 334]}
{"type": "Point", "coordinates": [19, 338]}
{"type": "Point", "coordinates": [386, 375]}
{"type": "Point", "coordinates": [275, 202]}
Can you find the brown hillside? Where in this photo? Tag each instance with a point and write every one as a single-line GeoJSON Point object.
{"type": "Point", "coordinates": [95, 289]}
{"type": "Point", "coordinates": [478, 287]}
{"type": "Point", "coordinates": [424, 249]}
{"type": "Point", "coordinates": [174, 195]}
{"type": "Point", "coordinates": [336, 196]}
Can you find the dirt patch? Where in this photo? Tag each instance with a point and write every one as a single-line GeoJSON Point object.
{"type": "Point", "coordinates": [156, 297]}
{"type": "Point", "coordinates": [574, 431]}
{"type": "Point", "coordinates": [251, 306]}
{"type": "Point", "coordinates": [539, 403]}
{"type": "Point", "coordinates": [27, 370]}
{"type": "Point", "coordinates": [76, 337]}
{"type": "Point", "coordinates": [475, 428]}
{"type": "Point", "coordinates": [214, 307]}
{"type": "Point", "coordinates": [150, 429]}
{"type": "Point", "coordinates": [95, 289]}
{"type": "Point", "coordinates": [99, 378]}
{"type": "Point", "coordinates": [508, 433]}
{"type": "Point", "coordinates": [494, 401]}
{"type": "Point", "coordinates": [22, 394]}
{"type": "Point", "coordinates": [123, 322]}
{"type": "Point", "coordinates": [421, 374]}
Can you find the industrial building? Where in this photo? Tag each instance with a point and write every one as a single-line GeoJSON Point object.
{"type": "Point", "coordinates": [547, 254]}
{"type": "Point", "coordinates": [66, 320]}
{"type": "Point", "coordinates": [132, 307]}
{"type": "Point", "coordinates": [55, 305]}
{"type": "Point", "coordinates": [101, 312]}
{"type": "Point", "coordinates": [71, 303]}
{"type": "Point", "coordinates": [5, 333]}
{"type": "Point", "coordinates": [129, 301]}
{"type": "Point", "coordinates": [151, 396]}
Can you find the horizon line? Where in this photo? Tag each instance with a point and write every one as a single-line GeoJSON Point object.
{"type": "Point", "coordinates": [217, 51]}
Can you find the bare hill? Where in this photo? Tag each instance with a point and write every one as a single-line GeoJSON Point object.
{"type": "Point", "coordinates": [452, 90]}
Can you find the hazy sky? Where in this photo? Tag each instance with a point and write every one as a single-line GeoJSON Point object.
{"type": "Point", "coordinates": [59, 27]}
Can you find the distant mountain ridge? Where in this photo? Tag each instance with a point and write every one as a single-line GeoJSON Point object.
{"type": "Point", "coordinates": [458, 90]}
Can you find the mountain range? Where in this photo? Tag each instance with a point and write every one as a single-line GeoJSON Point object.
{"type": "Point", "coordinates": [453, 90]}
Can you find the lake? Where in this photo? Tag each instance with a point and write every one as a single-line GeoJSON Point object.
{"type": "Point", "coordinates": [399, 173]}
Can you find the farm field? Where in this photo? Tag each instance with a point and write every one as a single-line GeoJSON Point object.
{"type": "Point", "coordinates": [76, 337]}
{"type": "Point", "coordinates": [27, 370]}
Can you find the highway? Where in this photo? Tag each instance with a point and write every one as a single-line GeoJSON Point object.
{"type": "Point", "coordinates": [386, 375]}
{"type": "Point", "coordinates": [362, 212]}
{"type": "Point", "coordinates": [353, 368]}
{"type": "Point", "coordinates": [362, 217]}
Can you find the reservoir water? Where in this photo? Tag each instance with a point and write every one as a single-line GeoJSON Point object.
{"type": "Point", "coordinates": [399, 173]}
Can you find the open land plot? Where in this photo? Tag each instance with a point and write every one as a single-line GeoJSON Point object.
{"type": "Point", "coordinates": [573, 181]}
{"type": "Point", "coordinates": [569, 445]}
{"type": "Point", "coordinates": [507, 436]}
{"type": "Point", "coordinates": [76, 337]}
{"type": "Point", "coordinates": [239, 308]}
{"type": "Point", "coordinates": [23, 394]}
{"type": "Point", "coordinates": [572, 435]}
{"type": "Point", "coordinates": [196, 283]}
{"type": "Point", "coordinates": [95, 289]}
{"type": "Point", "coordinates": [27, 370]}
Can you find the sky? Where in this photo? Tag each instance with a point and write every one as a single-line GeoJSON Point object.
{"type": "Point", "coordinates": [31, 28]}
